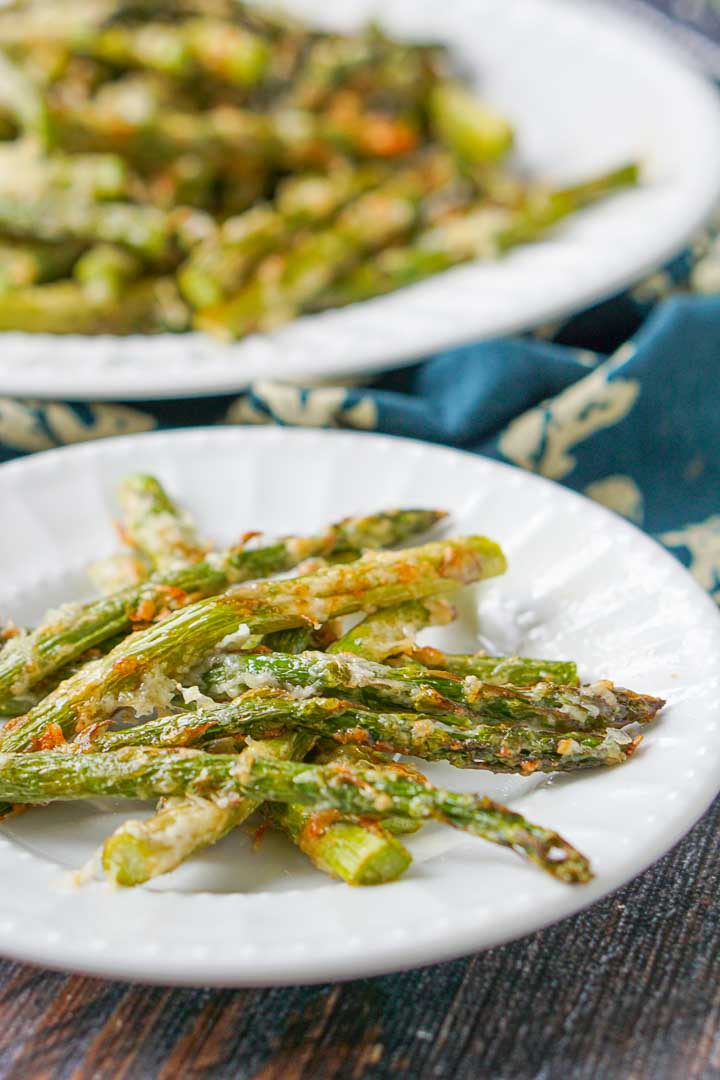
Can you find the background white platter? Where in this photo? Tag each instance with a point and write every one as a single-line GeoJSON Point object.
{"type": "Point", "coordinates": [581, 583]}
{"type": "Point", "coordinates": [586, 88]}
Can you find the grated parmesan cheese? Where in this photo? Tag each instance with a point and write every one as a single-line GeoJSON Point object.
{"type": "Point", "coordinates": [154, 693]}
{"type": "Point", "coordinates": [603, 688]}
{"type": "Point", "coordinates": [238, 637]}
{"type": "Point", "coordinates": [192, 694]}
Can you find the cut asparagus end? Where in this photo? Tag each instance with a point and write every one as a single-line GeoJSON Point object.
{"type": "Point", "coordinates": [357, 854]}
{"type": "Point", "coordinates": [126, 859]}
{"type": "Point", "coordinates": [365, 856]}
{"type": "Point", "coordinates": [140, 850]}
{"type": "Point", "coordinates": [469, 127]}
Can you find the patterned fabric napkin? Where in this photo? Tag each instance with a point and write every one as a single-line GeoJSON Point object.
{"type": "Point", "coordinates": [620, 402]}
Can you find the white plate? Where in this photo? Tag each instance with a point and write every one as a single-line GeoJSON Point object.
{"type": "Point", "coordinates": [586, 88]}
{"type": "Point", "coordinates": [582, 583]}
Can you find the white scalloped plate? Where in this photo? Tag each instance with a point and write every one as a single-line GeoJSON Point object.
{"type": "Point", "coordinates": [581, 583]}
{"type": "Point", "coordinates": [586, 88]}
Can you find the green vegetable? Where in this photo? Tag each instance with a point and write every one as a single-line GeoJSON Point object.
{"type": "Point", "coordinates": [282, 289]}
{"type": "Point", "coordinates": [146, 663]}
{"type": "Point", "coordinates": [105, 270]}
{"type": "Point", "coordinates": [494, 746]}
{"type": "Point", "coordinates": [155, 525]}
{"type": "Point", "coordinates": [76, 628]}
{"type": "Point", "coordinates": [218, 267]}
{"type": "Point", "coordinates": [366, 854]}
{"type": "Point", "coordinates": [562, 708]}
{"type": "Point", "coordinates": [144, 229]}
{"type": "Point", "coordinates": [472, 130]}
{"type": "Point", "coordinates": [501, 670]}
{"type": "Point", "coordinates": [28, 174]}
{"type": "Point", "coordinates": [368, 792]}
{"type": "Point", "coordinates": [140, 850]}
{"type": "Point", "coordinates": [148, 306]}
{"type": "Point", "coordinates": [480, 230]}
{"type": "Point", "coordinates": [31, 262]}
{"type": "Point", "coordinates": [268, 168]}
{"type": "Point", "coordinates": [22, 100]}
{"type": "Point", "coordinates": [393, 630]}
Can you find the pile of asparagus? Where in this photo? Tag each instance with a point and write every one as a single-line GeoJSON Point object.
{"type": "Point", "coordinates": [202, 163]}
{"type": "Point", "coordinates": [201, 678]}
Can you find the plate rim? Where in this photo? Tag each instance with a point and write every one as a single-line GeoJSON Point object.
{"type": "Point", "coordinates": [326, 968]}
{"type": "Point", "coordinates": [30, 377]}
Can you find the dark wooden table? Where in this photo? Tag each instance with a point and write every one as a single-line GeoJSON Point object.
{"type": "Point", "coordinates": [630, 990]}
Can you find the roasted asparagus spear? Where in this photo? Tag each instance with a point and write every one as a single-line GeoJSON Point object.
{"type": "Point", "coordinates": [77, 628]}
{"type": "Point", "coordinates": [366, 792]}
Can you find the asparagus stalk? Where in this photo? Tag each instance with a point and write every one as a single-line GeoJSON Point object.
{"type": "Point", "coordinates": [375, 637]}
{"type": "Point", "coordinates": [309, 198]}
{"type": "Point", "coordinates": [349, 858]}
{"type": "Point", "coordinates": [354, 852]}
{"type": "Point", "coordinates": [368, 792]}
{"type": "Point", "coordinates": [163, 535]}
{"type": "Point", "coordinates": [468, 126]}
{"type": "Point", "coordinates": [563, 708]}
{"type": "Point", "coordinates": [479, 232]}
{"type": "Point", "coordinates": [143, 229]}
{"type": "Point", "coordinates": [289, 641]}
{"type": "Point", "coordinates": [391, 269]}
{"type": "Point", "coordinates": [77, 628]}
{"type": "Point", "coordinates": [327, 751]}
{"type": "Point", "coordinates": [22, 100]}
{"type": "Point", "coordinates": [141, 850]}
{"type": "Point", "coordinates": [133, 94]}
{"type": "Point", "coordinates": [389, 634]}
{"type": "Point", "coordinates": [148, 306]}
{"type": "Point", "coordinates": [284, 286]}
{"type": "Point", "coordinates": [25, 174]}
{"type": "Point", "coordinates": [492, 746]}
{"type": "Point", "coordinates": [385, 633]}
{"type": "Point", "coordinates": [217, 268]}
{"type": "Point", "coordinates": [157, 46]}
{"type": "Point", "coordinates": [358, 854]}
{"type": "Point", "coordinates": [23, 24]}
{"type": "Point", "coordinates": [32, 262]}
{"type": "Point", "coordinates": [363, 681]}
{"type": "Point", "coordinates": [227, 52]}
{"type": "Point", "coordinates": [399, 72]}
{"type": "Point", "coordinates": [221, 49]}
{"type": "Point", "coordinates": [233, 141]}
{"type": "Point", "coordinates": [545, 207]}
{"type": "Point", "coordinates": [220, 264]}
{"type": "Point", "coordinates": [501, 670]}
{"type": "Point", "coordinates": [139, 671]}
{"type": "Point", "coordinates": [105, 271]}
{"type": "Point", "coordinates": [155, 525]}
{"type": "Point", "coordinates": [189, 181]}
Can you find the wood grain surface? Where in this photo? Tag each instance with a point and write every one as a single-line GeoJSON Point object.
{"type": "Point", "coordinates": [630, 990]}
